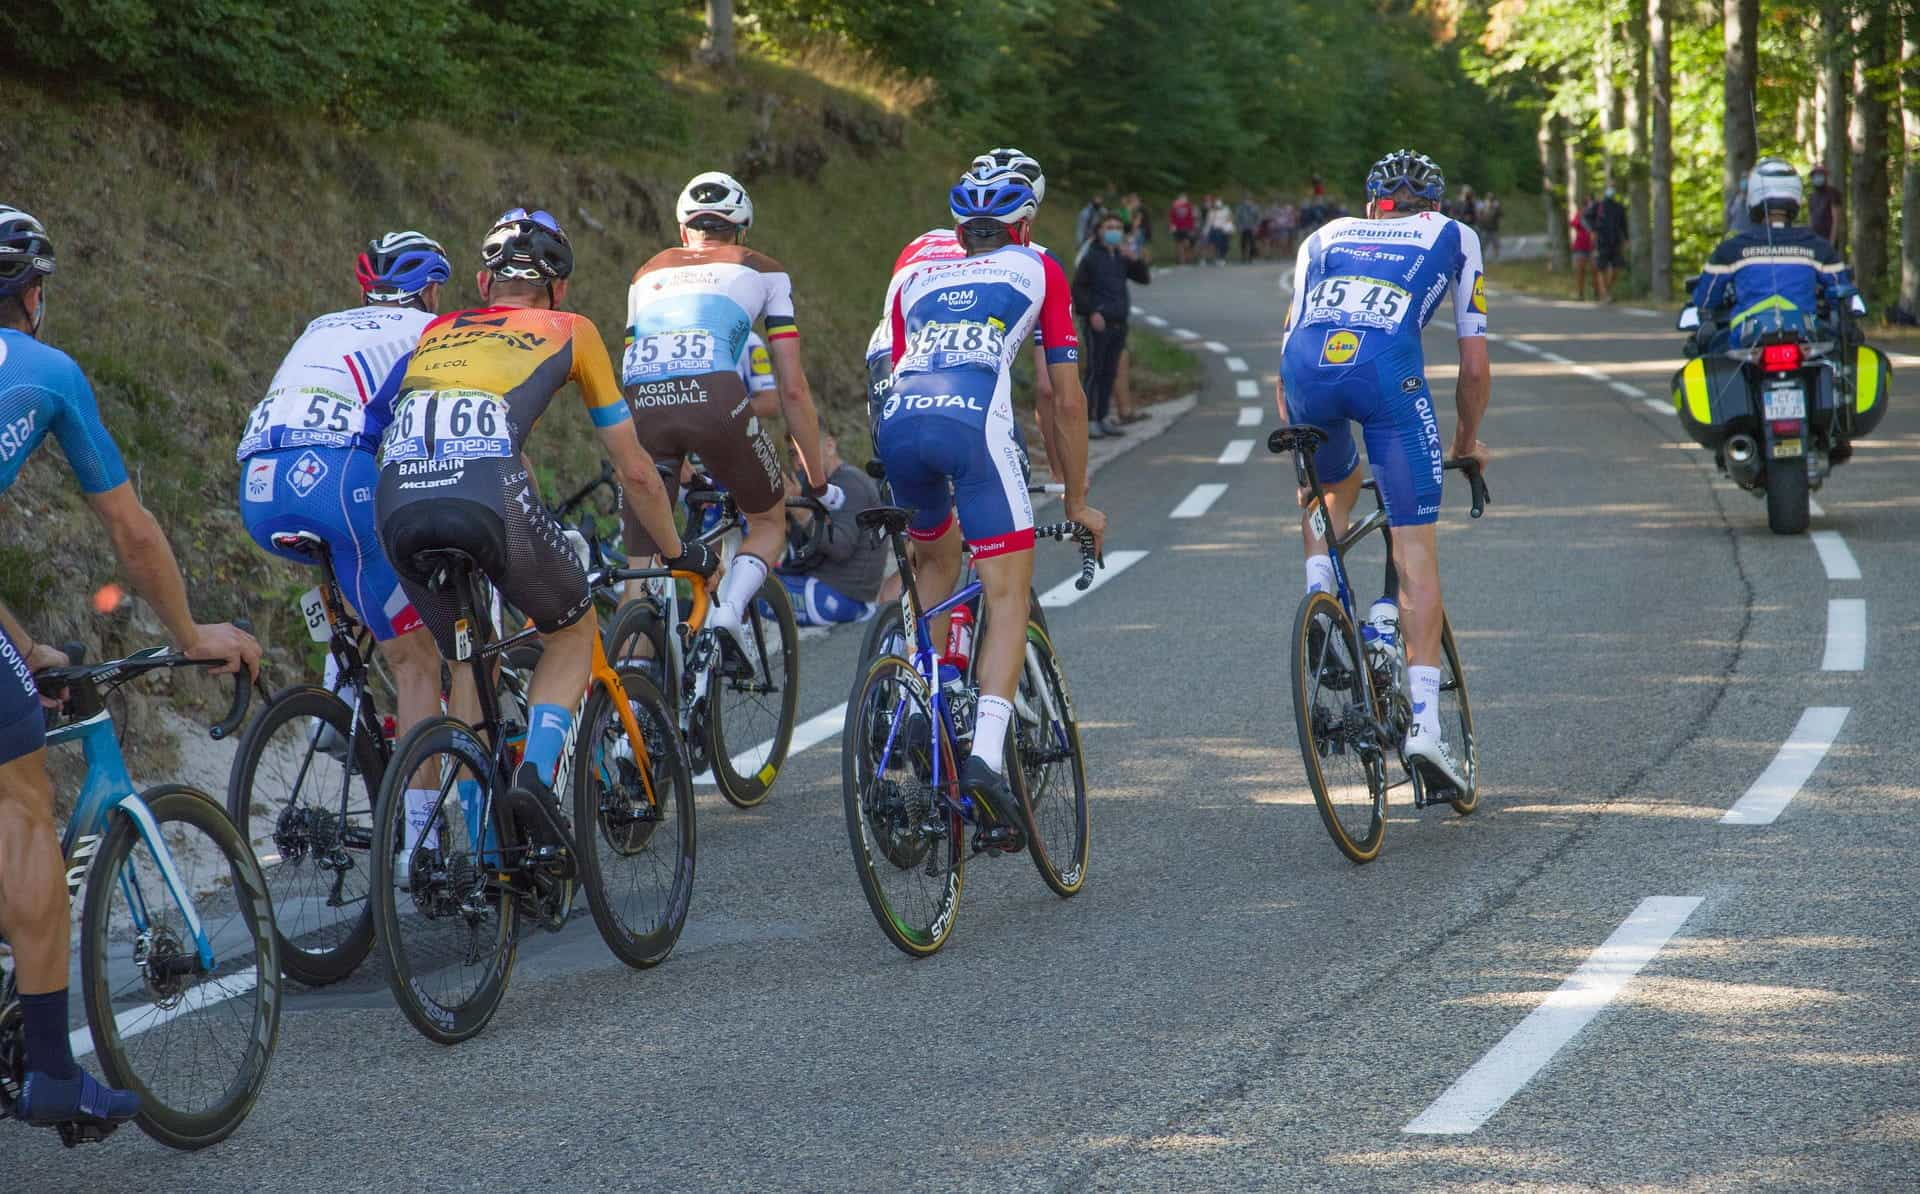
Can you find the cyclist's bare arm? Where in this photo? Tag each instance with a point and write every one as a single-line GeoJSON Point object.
{"type": "Point", "coordinates": [640, 481]}
{"type": "Point", "coordinates": [1471, 395]}
{"type": "Point", "coordinates": [1068, 416]}
{"type": "Point", "coordinates": [1043, 401]}
{"type": "Point", "coordinates": [796, 404]}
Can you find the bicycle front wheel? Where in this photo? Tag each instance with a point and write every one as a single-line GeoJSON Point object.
{"type": "Point", "coordinates": [1345, 765]}
{"type": "Point", "coordinates": [1052, 772]}
{"type": "Point", "coordinates": [750, 714]}
{"type": "Point", "coordinates": [636, 855]}
{"type": "Point", "coordinates": [1456, 717]}
{"type": "Point", "coordinates": [192, 1038]}
{"type": "Point", "coordinates": [306, 808]}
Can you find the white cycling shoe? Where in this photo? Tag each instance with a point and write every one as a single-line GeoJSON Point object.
{"type": "Point", "coordinates": [729, 627]}
{"type": "Point", "coordinates": [1429, 753]}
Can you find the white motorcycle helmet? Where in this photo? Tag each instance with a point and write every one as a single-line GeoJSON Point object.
{"type": "Point", "coordinates": [714, 194]}
{"type": "Point", "coordinates": [1773, 184]}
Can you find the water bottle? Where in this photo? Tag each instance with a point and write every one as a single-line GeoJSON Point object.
{"type": "Point", "coordinates": [958, 699]}
{"type": "Point", "coordinates": [1381, 634]}
{"type": "Point", "coordinates": [959, 638]}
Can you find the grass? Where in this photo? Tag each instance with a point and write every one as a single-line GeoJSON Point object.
{"type": "Point", "coordinates": [1162, 370]}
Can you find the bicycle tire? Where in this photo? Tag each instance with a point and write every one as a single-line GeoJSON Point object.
{"type": "Point", "coordinates": [245, 933]}
{"type": "Point", "coordinates": [636, 622]}
{"type": "Point", "coordinates": [606, 828]}
{"type": "Point", "coordinates": [749, 786]}
{"type": "Point", "coordinates": [1320, 739]}
{"type": "Point", "coordinates": [291, 844]}
{"type": "Point", "coordinates": [1453, 691]}
{"type": "Point", "coordinates": [449, 740]}
{"type": "Point", "coordinates": [889, 819]}
{"type": "Point", "coordinates": [1036, 748]}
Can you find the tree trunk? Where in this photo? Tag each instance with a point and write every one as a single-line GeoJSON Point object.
{"type": "Point", "coordinates": [1548, 142]}
{"type": "Point", "coordinates": [1867, 215]}
{"type": "Point", "coordinates": [716, 44]}
{"type": "Point", "coordinates": [1659, 109]}
{"type": "Point", "coordinates": [1836, 82]}
{"type": "Point", "coordinates": [1910, 188]}
{"type": "Point", "coordinates": [1575, 185]}
{"type": "Point", "coordinates": [1607, 95]}
{"type": "Point", "coordinates": [1639, 222]}
{"type": "Point", "coordinates": [1742, 27]}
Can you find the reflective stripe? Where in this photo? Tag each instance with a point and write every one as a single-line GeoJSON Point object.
{"type": "Point", "coordinates": [1693, 399]}
{"type": "Point", "coordinates": [1770, 303]}
{"type": "Point", "coordinates": [1866, 378]}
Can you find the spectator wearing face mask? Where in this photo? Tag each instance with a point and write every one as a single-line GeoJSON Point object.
{"type": "Point", "coordinates": [1826, 208]}
{"type": "Point", "coordinates": [1100, 290]}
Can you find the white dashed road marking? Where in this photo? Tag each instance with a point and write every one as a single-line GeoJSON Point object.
{"type": "Point", "coordinates": [1665, 408]}
{"type": "Point", "coordinates": [1236, 365]}
{"type": "Point", "coordinates": [1246, 387]}
{"type": "Point", "coordinates": [1064, 594]}
{"type": "Point", "coordinates": [1846, 635]}
{"type": "Point", "coordinates": [1555, 357]}
{"type": "Point", "coordinates": [1156, 321]}
{"type": "Point", "coordinates": [1790, 769]}
{"type": "Point", "coordinates": [1249, 416]}
{"type": "Point", "coordinates": [1184, 334]}
{"type": "Point", "coordinates": [136, 1020]}
{"type": "Point", "coordinates": [809, 733]}
{"type": "Point", "coordinates": [1626, 390]}
{"type": "Point", "coordinates": [1199, 501]}
{"type": "Point", "coordinates": [1237, 451]}
{"type": "Point", "coordinates": [1835, 556]}
{"type": "Point", "coordinates": [1215, 346]}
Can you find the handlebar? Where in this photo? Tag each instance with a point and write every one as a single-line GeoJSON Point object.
{"type": "Point", "coordinates": [566, 508]}
{"type": "Point", "coordinates": [1081, 535]}
{"type": "Point", "coordinates": [1478, 483]}
{"type": "Point", "coordinates": [85, 686]}
{"type": "Point", "coordinates": [1304, 438]}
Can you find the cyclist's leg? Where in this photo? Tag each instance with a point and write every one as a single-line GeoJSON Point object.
{"type": "Point", "coordinates": [741, 457]}
{"type": "Point", "coordinates": [997, 517]}
{"type": "Point", "coordinates": [912, 449]}
{"type": "Point", "coordinates": [1322, 403]}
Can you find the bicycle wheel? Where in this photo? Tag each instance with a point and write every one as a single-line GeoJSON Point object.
{"type": "Point", "coordinates": [638, 634]}
{"type": "Point", "coordinates": [309, 817]}
{"type": "Point", "coordinates": [636, 856]}
{"type": "Point", "coordinates": [194, 1043]}
{"type": "Point", "coordinates": [1052, 774]}
{"type": "Point", "coordinates": [448, 935]}
{"type": "Point", "coordinates": [908, 847]}
{"type": "Point", "coordinates": [1344, 763]}
{"type": "Point", "coordinates": [1457, 714]}
{"type": "Point", "coordinates": [749, 722]}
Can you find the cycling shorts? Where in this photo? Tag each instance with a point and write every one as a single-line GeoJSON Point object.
{"type": "Point", "coordinates": [23, 728]}
{"type": "Point", "coordinates": [1387, 395]}
{"type": "Point", "coordinates": [709, 415]}
{"type": "Point", "coordinates": [491, 511]}
{"type": "Point", "coordinates": [329, 491]}
{"type": "Point", "coordinates": [941, 466]}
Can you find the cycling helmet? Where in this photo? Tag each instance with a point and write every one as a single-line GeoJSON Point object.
{"type": "Point", "coordinates": [1019, 163]}
{"type": "Point", "coordinates": [399, 265]}
{"type": "Point", "coordinates": [527, 244]}
{"type": "Point", "coordinates": [26, 255]}
{"type": "Point", "coordinates": [1772, 184]}
{"type": "Point", "coordinates": [716, 195]}
{"type": "Point", "coordinates": [1005, 197]}
{"type": "Point", "coordinates": [1405, 169]}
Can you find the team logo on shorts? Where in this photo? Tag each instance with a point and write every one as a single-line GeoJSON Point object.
{"type": "Point", "coordinates": [1480, 293]}
{"type": "Point", "coordinates": [1340, 347]}
{"type": "Point", "coordinates": [260, 479]}
{"type": "Point", "coordinates": [306, 473]}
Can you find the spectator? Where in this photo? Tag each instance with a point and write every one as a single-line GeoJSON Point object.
{"type": "Point", "coordinates": [1087, 221]}
{"type": "Point", "coordinates": [1488, 220]}
{"type": "Point", "coordinates": [1580, 242]}
{"type": "Point", "coordinates": [1100, 290]}
{"type": "Point", "coordinates": [1219, 228]}
{"type": "Point", "coordinates": [1139, 224]}
{"type": "Point", "coordinates": [1464, 209]}
{"type": "Point", "coordinates": [1738, 218]}
{"type": "Point", "coordinates": [1183, 226]}
{"type": "Point", "coordinates": [841, 583]}
{"type": "Point", "coordinates": [1246, 216]}
{"type": "Point", "coordinates": [1826, 208]}
{"type": "Point", "coordinates": [1607, 217]}
{"type": "Point", "coordinates": [1289, 225]}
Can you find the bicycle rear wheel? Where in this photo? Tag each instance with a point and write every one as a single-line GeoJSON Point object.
{"type": "Point", "coordinates": [749, 723]}
{"type": "Point", "coordinates": [1052, 772]}
{"type": "Point", "coordinates": [194, 1043]}
{"type": "Point", "coordinates": [1456, 717]}
{"type": "Point", "coordinates": [636, 856]}
{"type": "Point", "coordinates": [448, 935]}
{"type": "Point", "coordinates": [1345, 765]}
{"type": "Point", "coordinates": [908, 847]}
{"type": "Point", "coordinates": [308, 815]}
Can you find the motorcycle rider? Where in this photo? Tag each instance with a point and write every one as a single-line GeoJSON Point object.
{"type": "Point", "coordinates": [1771, 276]}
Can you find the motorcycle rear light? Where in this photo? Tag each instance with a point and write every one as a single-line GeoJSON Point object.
{"type": "Point", "coordinates": [1786, 427]}
{"type": "Point", "coordinates": [1780, 358]}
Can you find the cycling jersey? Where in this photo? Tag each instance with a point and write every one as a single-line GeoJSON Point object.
{"type": "Point", "coordinates": [1770, 269]}
{"type": "Point", "coordinates": [337, 384]}
{"type": "Point", "coordinates": [1363, 290]}
{"type": "Point", "coordinates": [42, 391]}
{"type": "Point", "coordinates": [23, 727]}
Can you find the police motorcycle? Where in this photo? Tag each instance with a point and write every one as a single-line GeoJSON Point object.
{"type": "Point", "coordinates": [1781, 397]}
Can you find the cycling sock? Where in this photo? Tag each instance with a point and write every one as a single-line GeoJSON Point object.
{"type": "Point", "coordinates": [744, 577]}
{"type": "Point", "coordinates": [1425, 682]}
{"type": "Point", "coordinates": [990, 732]}
{"type": "Point", "coordinates": [545, 737]}
{"type": "Point", "coordinates": [420, 802]}
{"type": "Point", "coordinates": [1320, 573]}
{"type": "Point", "coordinates": [49, 1049]}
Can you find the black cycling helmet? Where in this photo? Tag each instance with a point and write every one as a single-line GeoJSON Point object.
{"type": "Point", "coordinates": [529, 245]}
{"type": "Point", "coordinates": [26, 254]}
{"type": "Point", "coordinates": [1403, 169]}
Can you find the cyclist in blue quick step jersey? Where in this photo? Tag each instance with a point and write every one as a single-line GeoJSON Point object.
{"type": "Point", "coordinates": [42, 392]}
{"type": "Point", "coordinates": [1362, 292]}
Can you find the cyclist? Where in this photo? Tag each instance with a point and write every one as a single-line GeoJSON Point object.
{"type": "Point", "coordinates": [309, 458]}
{"type": "Point", "coordinates": [452, 476]}
{"type": "Point", "coordinates": [42, 391]}
{"type": "Point", "coordinates": [946, 435]}
{"type": "Point", "coordinates": [689, 313]}
{"type": "Point", "coordinates": [1362, 291]}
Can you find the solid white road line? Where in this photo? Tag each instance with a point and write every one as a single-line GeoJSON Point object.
{"type": "Point", "coordinates": [1216, 346]}
{"type": "Point", "coordinates": [1199, 501]}
{"type": "Point", "coordinates": [1630, 391]}
{"type": "Point", "coordinates": [1237, 451]}
{"type": "Point", "coordinates": [809, 733]}
{"type": "Point", "coordinates": [1156, 321]}
{"type": "Point", "coordinates": [1555, 357]}
{"type": "Point", "coordinates": [1064, 594]}
{"type": "Point", "coordinates": [1246, 387]}
{"type": "Point", "coordinates": [1835, 556]}
{"type": "Point", "coordinates": [136, 1020]}
{"type": "Point", "coordinates": [1590, 373]}
{"type": "Point", "coordinates": [1814, 508]}
{"type": "Point", "coordinates": [1665, 408]}
{"type": "Point", "coordinates": [1642, 312]}
{"type": "Point", "coordinates": [1137, 311]}
{"type": "Point", "coordinates": [1522, 1053]}
{"type": "Point", "coordinates": [1249, 416]}
{"type": "Point", "coordinates": [1846, 635]}
{"type": "Point", "coordinates": [1184, 334]}
{"type": "Point", "coordinates": [1524, 346]}
{"type": "Point", "coordinates": [1790, 769]}
{"type": "Point", "coordinates": [1236, 365]}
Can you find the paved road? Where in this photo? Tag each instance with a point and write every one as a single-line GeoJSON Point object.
{"type": "Point", "coordinates": [1230, 1004]}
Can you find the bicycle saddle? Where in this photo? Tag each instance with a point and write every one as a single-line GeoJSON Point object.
{"type": "Point", "coordinates": [1302, 437]}
{"type": "Point", "coordinates": [891, 519]}
{"type": "Point", "coordinates": [305, 542]}
{"type": "Point", "coordinates": [444, 564]}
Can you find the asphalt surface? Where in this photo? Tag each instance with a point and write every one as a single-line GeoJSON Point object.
{"type": "Point", "coordinates": [1230, 1004]}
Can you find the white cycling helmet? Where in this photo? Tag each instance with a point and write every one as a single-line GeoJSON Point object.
{"type": "Point", "coordinates": [714, 194]}
{"type": "Point", "coordinates": [1020, 163]}
{"type": "Point", "coordinates": [1773, 183]}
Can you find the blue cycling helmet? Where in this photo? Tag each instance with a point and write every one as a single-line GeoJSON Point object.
{"type": "Point", "coordinates": [26, 255]}
{"type": "Point", "coordinates": [1003, 196]}
{"type": "Point", "coordinates": [400, 265]}
{"type": "Point", "coordinates": [1403, 169]}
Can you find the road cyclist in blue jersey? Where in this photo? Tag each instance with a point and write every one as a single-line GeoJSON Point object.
{"type": "Point", "coordinates": [1363, 289]}
{"type": "Point", "coordinates": [42, 393]}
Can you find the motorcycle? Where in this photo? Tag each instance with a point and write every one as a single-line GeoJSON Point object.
{"type": "Point", "coordinates": [1780, 398]}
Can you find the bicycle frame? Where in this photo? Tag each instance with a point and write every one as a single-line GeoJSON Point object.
{"type": "Point", "coordinates": [926, 661]}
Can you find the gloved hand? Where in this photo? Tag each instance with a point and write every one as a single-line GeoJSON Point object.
{"type": "Point", "coordinates": [695, 556]}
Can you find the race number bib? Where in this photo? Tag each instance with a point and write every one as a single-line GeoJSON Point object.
{"type": "Point", "coordinates": [303, 415]}
{"type": "Point", "coordinates": [933, 347]}
{"type": "Point", "coordinates": [1358, 302]}
{"type": "Point", "coordinates": [447, 425]}
{"type": "Point", "coordinates": [685, 352]}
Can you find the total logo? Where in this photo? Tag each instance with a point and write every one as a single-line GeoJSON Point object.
{"type": "Point", "coordinates": [958, 300]}
{"type": "Point", "coordinates": [1340, 347]}
{"type": "Point", "coordinates": [931, 402]}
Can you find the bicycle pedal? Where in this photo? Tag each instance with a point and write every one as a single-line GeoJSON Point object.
{"type": "Point", "coordinates": [74, 1134]}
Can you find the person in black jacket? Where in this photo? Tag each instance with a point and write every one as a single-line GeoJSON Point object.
{"type": "Point", "coordinates": [1100, 293]}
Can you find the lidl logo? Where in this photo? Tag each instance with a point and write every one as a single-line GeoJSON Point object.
{"type": "Point", "coordinates": [1480, 293]}
{"type": "Point", "coordinates": [1339, 347]}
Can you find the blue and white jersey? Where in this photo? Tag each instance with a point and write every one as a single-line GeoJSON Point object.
{"type": "Point", "coordinates": [337, 384]}
{"type": "Point", "coordinates": [1787, 270]}
{"type": "Point", "coordinates": [1363, 286]}
{"type": "Point", "coordinates": [42, 392]}
{"type": "Point", "coordinates": [690, 311]}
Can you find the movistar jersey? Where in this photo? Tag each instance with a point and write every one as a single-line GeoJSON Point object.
{"type": "Point", "coordinates": [42, 392]}
{"type": "Point", "coordinates": [1361, 287]}
{"type": "Point", "coordinates": [1768, 269]}
{"type": "Point", "coordinates": [689, 311]}
{"type": "Point", "coordinates": [337, 384]}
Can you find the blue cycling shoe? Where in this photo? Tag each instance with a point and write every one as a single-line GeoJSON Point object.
{"type": "Point", "coordinates": [46, 1101]}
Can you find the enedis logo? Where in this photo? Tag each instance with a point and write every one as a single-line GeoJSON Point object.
{"type": "Point", "coordinates": [1480, 293]}
{"type": "Point", "coordinates": [1339, 347]}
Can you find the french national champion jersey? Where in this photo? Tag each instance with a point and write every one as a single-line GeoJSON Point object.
{"type": "Point", "coordinates": [337, 384]}
{"type": "Point", "coordinates": [689, 311]}
{"type": "Point", "coordinates": [42, 392]}
{"type": "Point", "coordinates": [1362, 286]}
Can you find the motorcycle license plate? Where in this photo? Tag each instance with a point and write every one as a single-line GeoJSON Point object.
{"type": "Point", "coordinates": [1788, 447]}
{"type": "Point", "coordinates": [1786, 402]}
